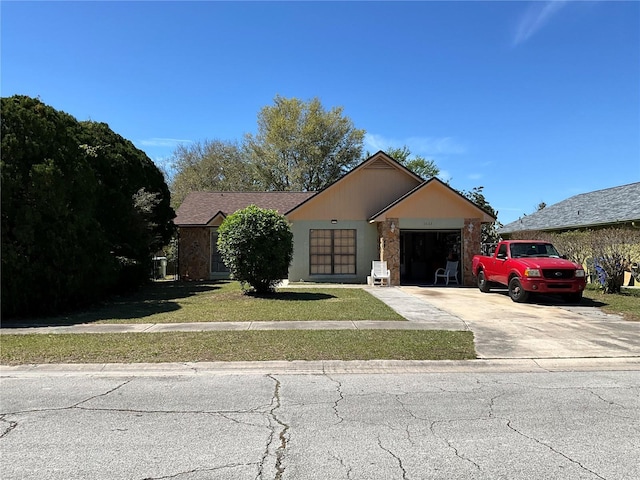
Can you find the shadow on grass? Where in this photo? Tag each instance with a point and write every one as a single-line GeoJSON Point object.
{"type": "Point", "coordinates": [151, 299]}
{"type": "Point", "coordinates": [292, 296]}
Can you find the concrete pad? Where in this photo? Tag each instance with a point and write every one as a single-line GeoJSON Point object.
{"type": "Point", "coordinates": [505, 329]}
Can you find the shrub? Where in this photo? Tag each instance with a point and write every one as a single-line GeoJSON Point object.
{"type": "Point", "coordinates": [257, 247]}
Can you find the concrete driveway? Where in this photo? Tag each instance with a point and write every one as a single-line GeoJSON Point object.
{"type": "Point", "coordinates": [544, 329]}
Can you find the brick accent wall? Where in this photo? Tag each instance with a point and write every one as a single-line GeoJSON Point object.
{"type": "Point", "coordinates": [471, 241]}
{"type": "Point", "coordinates": [194, 252]}
{"type": "Point", "coordinates": [390, 247]}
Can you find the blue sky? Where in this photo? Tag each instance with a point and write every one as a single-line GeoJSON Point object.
{"type": "Point", "coordinates": [535, 101]}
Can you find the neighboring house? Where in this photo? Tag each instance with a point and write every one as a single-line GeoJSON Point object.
{"type": "Point", "coordinates": [380, 210]}
{"type": "Point", "coordinates": [617, 206]}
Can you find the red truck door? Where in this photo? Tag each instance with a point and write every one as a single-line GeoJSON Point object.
{"type": "Point", "coordinates": [500, 273]}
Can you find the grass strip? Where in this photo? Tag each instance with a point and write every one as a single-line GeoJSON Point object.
{"type": "Point", "coordinates": [232, 346]}
{"type": "Point", "coordinates": [625, 303]}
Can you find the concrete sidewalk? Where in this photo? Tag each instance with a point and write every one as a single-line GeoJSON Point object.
{"type": "Point", "coordinates": [502, 329]}
{"type": "Point", "coordinates": [420, 315]}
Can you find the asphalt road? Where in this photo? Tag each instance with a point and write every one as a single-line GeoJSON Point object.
{"type": "Point", "coordinates": [468, 424]}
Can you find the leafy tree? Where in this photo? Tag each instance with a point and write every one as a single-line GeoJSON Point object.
{"type": "Point", "coordinates": [81, 206]}
{"type": "Point", "coordinates": [53, 252]}
{"type": "Point", "coordinates": [489, 234]}
{"type": "Point", "coordinates": [418, 165]}
{"type": "Point", "coordinates": [300, 146]}
{"type": "Point", "coordinates": [133, 203]}
{"type": "Point", "coordinates": [257, 246]}
{"type": "Point", "coordinates": [210, 165]}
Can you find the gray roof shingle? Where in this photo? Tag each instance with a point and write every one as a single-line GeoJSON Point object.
{"type": "Point", "coordinates": [198, 208]}
{"type": "Point", "coordinates": [602, 207]}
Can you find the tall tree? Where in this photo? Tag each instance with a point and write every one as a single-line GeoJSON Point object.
{"type": "Point", "coordinates": [134, 201]}
{"type": "Point", "coordinates": [210, 165]}
{"type": "Point", "coordinates": [489, 233]}
{"type": "Point", "coordinates": [418, 165]}
{"type": "Point", "coordinates": [79, 206]}
{"type": "Point", "coordinates": [301, 146]}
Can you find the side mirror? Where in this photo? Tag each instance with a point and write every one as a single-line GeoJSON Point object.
{"type": "Point", "coordinates": [502, 256]}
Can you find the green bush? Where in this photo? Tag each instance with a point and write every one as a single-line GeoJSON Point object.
{"type": "Point", "coordinates": [257, 247]}
{"type": "Point", "coordinates": [80, 205]}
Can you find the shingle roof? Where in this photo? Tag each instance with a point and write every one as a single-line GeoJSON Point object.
{"type": "Point", "coordinates": [198, 208]}
{"type": "Point", "coordinates": [602, 207]}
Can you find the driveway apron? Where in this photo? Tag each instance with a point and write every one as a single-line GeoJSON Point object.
{"type": "Point", "coordinates": [504, 329]}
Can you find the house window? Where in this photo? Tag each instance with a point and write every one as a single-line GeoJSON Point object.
{"type": "Point", "coordinates": [332, 252]}
{"type": "Point", "coordinates": [217, 265]}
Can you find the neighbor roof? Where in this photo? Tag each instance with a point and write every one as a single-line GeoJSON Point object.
{"type": "Point", "coordinates": [199, 208]}
{"type": "Point", "coordinates": [603, 207]}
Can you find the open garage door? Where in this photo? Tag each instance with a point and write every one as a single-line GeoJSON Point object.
{"type": "Point", "coordinates": [422, 252]}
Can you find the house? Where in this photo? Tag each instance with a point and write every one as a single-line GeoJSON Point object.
{"type": "Point", "coordinates": [617, 206]}
{"type": "Point", "coordinates": [380, 210]}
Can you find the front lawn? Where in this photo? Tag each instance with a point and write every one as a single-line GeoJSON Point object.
{"type": "Point", "coordinates": [237, 346]}
{"type": "Point", "coordinates": [224, 301]}
{"type": "Point", "coordinates": [625, 303]}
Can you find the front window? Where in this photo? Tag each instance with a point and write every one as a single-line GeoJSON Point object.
{"type": "Point", "coordinates": [217, 265]}
{"type": "Point", "coordinates": [332, 252]}
{"type": "Point", "coordinates": [533, 250]}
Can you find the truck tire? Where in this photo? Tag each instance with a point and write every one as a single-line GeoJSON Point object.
{"type": "Point", "coordinates": [516, 292]}
{"type": "Point", "coordinates": [483, 284]}
{"type": "Point", "coordinates": [573, 297]}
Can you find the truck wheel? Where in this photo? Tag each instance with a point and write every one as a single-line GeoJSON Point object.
{"type": "Point", "coordinates": [483, 284]}
{"type": "Point", "coordinates": [573, 297]}
{"type": "Point", "coordinates": [516, 292]}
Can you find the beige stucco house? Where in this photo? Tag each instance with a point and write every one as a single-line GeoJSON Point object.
{"type": "Point", "coordinates": [378, 211]}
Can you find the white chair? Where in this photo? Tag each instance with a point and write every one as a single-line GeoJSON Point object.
{"type": "Point", "coordinates": [380, 273]}
{"type": "Point", "coordinates": [449, 273]}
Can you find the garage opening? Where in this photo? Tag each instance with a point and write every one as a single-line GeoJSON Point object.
{"type": "Point", "coordinates": [422, 252]}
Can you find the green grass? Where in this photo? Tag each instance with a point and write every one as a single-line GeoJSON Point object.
{"type": "Point", "coordinates": [224, 301]}
{"type": "Point", "coordinates": [626, 303]}
{"type": "Point", "coordinates": [236, 346]}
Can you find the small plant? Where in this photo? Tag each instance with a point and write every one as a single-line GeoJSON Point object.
{"type": "Point", "coordinates": [257, 247]}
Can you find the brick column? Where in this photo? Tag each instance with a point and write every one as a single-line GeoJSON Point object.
{"type": "Point", "coordinates": [471, 242]}
{"type": "Point", "coordinates": [389, 235]}
{"type": "Point", "coordinates": [194, 252]}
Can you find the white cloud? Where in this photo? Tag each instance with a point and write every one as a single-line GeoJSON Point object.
{"type": "Point", "coordinates": [475, 176]}
{"type": "Point", "coordinates": [536, 17]}
{"type": "Point", "coordinates": [423, 146]}
{"type": "Point", "coordinates": [162, 142]}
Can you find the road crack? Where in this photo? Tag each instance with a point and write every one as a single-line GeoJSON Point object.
{"type": "Point", "coordinates": [201, 470]}
{"type": "Point", "coordinates": [340, 398]}
{"type": "Point", "coordinates": [450, 445]}
{"type": "Point", "coordinates": [557, 452]}
{"type": "Point", "coordinates": [8, 426]}
{"type": "Point", "coordinates": [396, 457]}
{"type": "Point", "coordinates": [278, 436]}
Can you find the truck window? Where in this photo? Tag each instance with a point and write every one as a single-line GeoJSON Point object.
{"type": "Point", "coordinates": [502, 251]}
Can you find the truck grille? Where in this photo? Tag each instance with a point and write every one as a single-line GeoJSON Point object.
{"type": "Point", "coordinates": [557, 274]}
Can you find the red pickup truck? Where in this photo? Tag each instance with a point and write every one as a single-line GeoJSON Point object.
{"type": "Point", "coordinates": [529, 266]}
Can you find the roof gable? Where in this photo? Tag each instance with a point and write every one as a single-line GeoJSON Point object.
{"type": "Point", "coordinates": [201, 208]}
{"type": "Point", "coordinates": [601, 207]}
{"type": "Point", "coordinates": [376, 182]}
{"type": "Point", "coordinates": [433, 199]}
